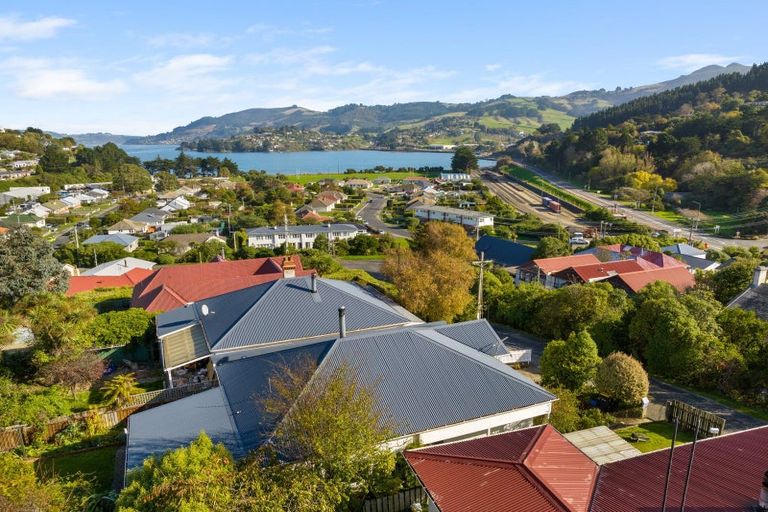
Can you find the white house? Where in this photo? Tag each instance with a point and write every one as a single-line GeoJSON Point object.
{"type": "Point", "coordinates": [358, 183]}
{"type": "Point", "coordinates": [301, 237]}
{"type": "Point", "coordinates": [176, 204]}
{"type": "Point", "coordinates": [23, 193]}
{"type": "Point", "coordinates": [455, 176]}
{"type": "Point", "coordinates": [22, 164]}
{"type": "Point", "coordinates": [467, 218]}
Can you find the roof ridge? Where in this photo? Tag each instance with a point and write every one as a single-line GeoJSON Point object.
{"type": "Point", "coordinates": [269, 284]}
{"type": "Point", "coordinates": [388, 309]}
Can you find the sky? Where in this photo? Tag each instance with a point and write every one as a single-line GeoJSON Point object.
{"type": "Point", "coordinates": [145, 67]}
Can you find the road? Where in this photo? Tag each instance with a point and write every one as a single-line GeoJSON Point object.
{"type": "Point", "coordinates": [371, 215]}
{"type": "Point", "coordinates": [638, 216]}
{"type": "Point", "coordinates": [660, 392]}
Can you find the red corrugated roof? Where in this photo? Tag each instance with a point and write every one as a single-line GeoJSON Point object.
{"type": "Point", "coordinates": [550, 265]}
{"type": "Point", "coordinates": [78, 284]}
{"type": "Point", "coordinates": [679, 277]}
{"type": "Point", "coordinates": [534, 469]}
{"type": "Point", "coordinates": [174, 286]}
{"type": "Point", "coordinates": [603, 270]}
{"type": "Point", "coordinates": [726, 475]}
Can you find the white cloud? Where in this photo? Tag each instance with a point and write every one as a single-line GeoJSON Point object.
{"type": "Point", "coordinates": [44, 78]}
{"type": "Point", "coordinates": [193, 74]}
{"type": "Point", "coordinates": [492, 67]}
{"type": "Point", "coordinates": [12, 28]}
{"type": "Point", "coordinates": [693, 61]}
{"type": "Point", "coordinates": [184, 40]}
{"type": "Point", "coordinates": [270, 33]}
{"type": "Point", "coordinates": [289, 56]}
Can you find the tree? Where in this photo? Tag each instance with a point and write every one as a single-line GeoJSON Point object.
{"type": "Point", "coordinates": [58, 322]}
{"type": "Point", "coordinates": [27, 266]}
{"type": "Point", "coordinates": [119, 389]}
{"type": "Point", "coordinates": [166, 181]}
{"type": "Point", "coordinates": [551, 247]}
{"type": "Point", "coordinates": [464, 159]}
{"type": "Point", "coordinates": [206, 252]}
{"type": "Point", "coordinates": [622, 378]}
{"type": "Point", "coordinates": [434, 286]}
{"type": "Point", "coordinates": [116, 328]}
{"type": "Point", "coordinates": [570, 363]}
{"type": "Point", "coordinates": [445, 237]}
{"type": "Point", "coordinates": [565, 411]}
{"type": "Point", "coordinates": [131, 178]}
{"type": "Point", "coordinates": [54, 159]}
{"type": "Point", "coordinates": [198, 477]}
{"type": "Point", "coordinates": [732, 280]}
{"type": "Point", "coordinates": [77, 372]}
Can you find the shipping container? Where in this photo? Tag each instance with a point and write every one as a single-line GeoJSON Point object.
{"type": "Point", "coordinates": [554, 206]}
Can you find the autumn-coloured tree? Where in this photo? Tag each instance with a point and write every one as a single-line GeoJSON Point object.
{"type": "Point", "coordinates": [450, 239]}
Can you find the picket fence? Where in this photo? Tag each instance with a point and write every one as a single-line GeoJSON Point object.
{"type": "Point", "coordinates": [18, 436]}
{"type": "Point", "coordinates": [692, 417]}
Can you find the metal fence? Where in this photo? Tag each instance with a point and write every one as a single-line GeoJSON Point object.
{"type": "Point", "coordinates": [691, 417]}
{"type": "Point", "coordinates": [400, 502]}
{"type": "Point", "coordinates": [18, 436]}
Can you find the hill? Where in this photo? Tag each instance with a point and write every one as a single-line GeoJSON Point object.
{"type": "Point", "coordinates": [94, 139]}
{"type": "Point", "coordinates": [494, 122]}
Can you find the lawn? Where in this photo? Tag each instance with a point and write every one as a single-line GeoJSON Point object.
{"type": "Point", "coordinates": [304, 179]}
{"type": "Point", "coordinates": [98, 464]}
{"type": "Point", "coordinates": [549, 188]}
{"type": "Point", "coordinates": [659, 435]}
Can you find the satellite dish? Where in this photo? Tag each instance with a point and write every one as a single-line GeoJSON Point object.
{"type": "Point", "coordinates": [204, 309]}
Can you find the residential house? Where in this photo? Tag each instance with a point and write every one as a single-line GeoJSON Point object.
{"type": "Point", "coordinates": [38, 210]}
{"type": "Point", "coordinates": [359, 184]}
{"type": "Point", "coordinates": [684, 250]}
{"type": "Point", "coordinates": [539, 470]}
{"type": "Point", "coordinates": [31, 221]}
{"type": "Point", "coordinates": [300, 237]}
{"type": "Point", "coordinates": [754, 298]}
{"type": "Point", "coordinates": [185, 190]}
{"type": "Point", "coordinates": [542, 270]}
{"type": "Point", "coordinates": [98, 194]}
{"type": "Point", "coordinates": [177, 204]}
{"type": "Point", "coordinates": [174, 286]}
{"type": "Point", "coordinates": [126, 227]}
{"type": "Point", "coordinates": [118, 267]}
{"type": "Point", "coordinates": [478, 395]}
{"type": "Point", "coordinates": [419, 181]}
{"type": "Point", "coordinates": [22, 164]}
{"type": "Point", "coordinates": [384, 180]}
{"type": "Point", "coordinates": [184, 242]}
{"type": "Point", "coordinates": [504, 253]}
{"type": "Point", "coordinates": [695, 263]}
{"type": "Point", "coordinates": [467, 218]}
{"type": "Point", "coordinates": [85, 283]}
{"type": "Point", "coordinates": [295, 188]}
{"type": "Point", "coordinates": [23, 194]}
{"type": "Point", "coordinates": [322, 204]}
{"type": "Point", "coordinates": [152, 218]}
{"type": "Point", "coordinates": [633, 282]}
{"type": "Point", "coordinates": [455, 177]}
{"type": "Point", "coordinates": [56, 207]}
{"type": "Point", "coordinates": [14, 174]}
{"type": "Point", "coordinates": [72, 201]}
{"type": "Point", "coordinates": [312, 217]}
{"type": "Point", "coordinates": [582, 274]}
{"type": "Point", "coordinates": [128, 242]}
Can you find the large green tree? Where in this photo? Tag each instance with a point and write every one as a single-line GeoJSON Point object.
{"type": "Point", "coordinates": [551, 247]}
{"type": "Point", "coordinates": [131, 178]}
{"type": "Point", "coordinates": [27, 266]}
{"type": "Point", "coordinates": [464, 159]}
{"type": "Point", "coordinates": [622, 378]}
{"type": "Point", "coordinates": [570, 363]}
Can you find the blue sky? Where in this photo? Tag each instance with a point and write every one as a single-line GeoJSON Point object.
{"type": "Point", "coordinates": [145, 67]}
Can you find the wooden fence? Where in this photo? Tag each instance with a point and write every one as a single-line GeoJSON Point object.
{"type": "Point", "coordinates": [400, 502]}
{"type": "Point", "coordinates": [690, 417]}
{"type": "Point", "coordinates": [18, 436]}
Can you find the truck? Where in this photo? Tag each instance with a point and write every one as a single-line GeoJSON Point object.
{"type": "Point", "coordinates": [545, 201]}
{"type": "Point", "coordinates": [554, 206]}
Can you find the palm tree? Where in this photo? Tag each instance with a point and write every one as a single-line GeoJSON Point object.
{"type": "Point", "coordinates": [119, 389]}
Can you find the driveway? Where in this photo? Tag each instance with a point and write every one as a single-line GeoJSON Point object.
{"type": "Point", "coordinates": [371, 215]}
{"type": "Point", "coordinates": [660, 392]}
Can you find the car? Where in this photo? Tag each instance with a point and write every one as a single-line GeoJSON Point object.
{"type": "Point", "coordinates": [580, 241]}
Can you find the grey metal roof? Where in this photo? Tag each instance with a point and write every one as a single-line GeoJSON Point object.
{"type": "Point", "coordinates": [694, 262]}
{"type": "Point", "coordinates": [288, 310]}
{"type": "Point", "coordinates": [150, 216]}
{"type": "Point", "coordinates": [451, 211]}
{"type": "Point", "coordinates": [685, 249]}
{"type": "Point", "coordinates": [174, 320]}
{"type": "Point", "coordinates": [118, 238]}
{"type": "Point", "coordinates": [504, 252]}
{"type": "Point", "coordinates": [753, 299]}
{"type": "Point", "coordinates": [246, 380]}
{"type": "Point", "coordinates": [477, 334]}
{"type": "Point", "coordinates": [308, 229]}
{"type": "Point", "coordinates": [425, 380]}
{"type": "Point", "coordinates": [172, 425]}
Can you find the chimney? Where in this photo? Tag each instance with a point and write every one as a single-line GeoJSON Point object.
{"type": "Point", "coordinates": [763, 503]}
{"type": "Point", "coordinates": [313, 280]}
{"type": "Point", "coordinates": [759, 275]}
{"type": "Point", "coordinates": [289, 267]}
{"type": "Point", "coordinates": [342, 322]}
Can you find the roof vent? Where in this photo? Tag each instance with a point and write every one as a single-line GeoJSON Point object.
{"type": "Point", "coordinates": [204, 309]}
{"type": "Point", "coordinates": [342, 322]}
{"type": "Point", "coordinates": [313, 281]}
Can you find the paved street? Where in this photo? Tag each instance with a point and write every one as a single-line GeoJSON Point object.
{"type": "Point", "coordinates": [373, 267]}
{"type": "Point", "coordinates": [660, 392]}
{"type": "Point", "coordinates": [371, 215]}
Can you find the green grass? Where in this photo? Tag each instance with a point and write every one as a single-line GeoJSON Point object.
{"type": "Point", "coordinates": [554, 191]}
{"type": "Point", "coordinates": [304, 179]}
{"type": "Point", "coordinates": [659, 435]}
{"type": "Point", "coordinates": [364, 278]}
{"type": "Point", "coordinates": [98, 464]}
{"type": "Point", "coordinates": [495, 122]}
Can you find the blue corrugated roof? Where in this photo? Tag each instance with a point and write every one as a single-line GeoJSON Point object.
{"type": "Point", "coordinates": [175, 424]}
{"type": "Point", "coordinates": [504, 252]}
{"type": "Point", "coordinates": [175, 320]}
{"type": "Point", "coordinates": [477, 334]}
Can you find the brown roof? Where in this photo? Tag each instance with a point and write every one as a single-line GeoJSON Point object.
{"type": "Point", "coordinates": [679, 277]}
{"type": "Point", "coordinates": [534, 469]}
{"type": "Point", "coordinates": [550, 265]}
{"type": "Point", "coordinates": [598, 271]}
{"type": "Point", "coordinates": [176, 285]}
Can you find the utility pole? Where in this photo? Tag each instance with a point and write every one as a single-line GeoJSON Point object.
{"type": "Point", "coordinates": [77, 241]}
{"type": "Point", "coordinates": [481, 264]}
{"type": "Point", "coordinates": [696, 221]}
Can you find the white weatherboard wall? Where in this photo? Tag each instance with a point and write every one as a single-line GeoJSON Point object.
{"type": "Point", "coordinates": [480, 426]}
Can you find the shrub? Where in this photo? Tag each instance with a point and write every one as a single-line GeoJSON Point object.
{"type": "Point", "coordinates": [570, 363]}
{"type": "Point", "coordinates": [622, 378]}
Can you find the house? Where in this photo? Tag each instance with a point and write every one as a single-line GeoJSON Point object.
{"type": "Point", "coordinates": [118, 267]}
{"type": "Point", "coordinates": [22, 164]}
{"type": "Point", "coordinates": [98, 194]}
{"type": "Point", "coordinates": [633, 282]}
{"type": "Point", "coordinates": [384, 180]}
{"type": "Point", "coordinates": [56, 207]}
{"type": "Point", "coordinates": [582, 274]}
{"type": "Point", "coordinates": [695, 263]}
{"type": "Point", "coordinates": [684, 250]}
{"type": "Point", "coordinates": [539, 470]}
{"type": "Point", "coordinates": [23, 194]}
{"type": "Point", "coordinates": [185, 190]}
{"type": "Point", "coordinates": [312, 217]}
{"type": "Point", "coordinates": [15, 174]}
{"type": "Point", "coordinates": [184, 242]}
{"type": "Point", "coordinates": [31, 221]}
{"type": "Point", "coordinates": [504, 253]}
{"type": "Point", "coordinates": [455, 177]}
{"type": "Point", "coordinates": [152, 218]}
{"type": "Point", "coordinates": [467, 218]}
{"type": "Point", "coordinates": [542, 269]}
{"type": "Point", "coordinates": [426, 403]}
{"type": "Point", "coordinates": [85, 283]}
{"type": "Point", "coordinates": [174, 286]}
{"type": "Point", "coordinates": [177, 204]}
{"type": "Point", "coordinates": [128, 242]}
{"type": "Point", "coordinates": [295, 188]}
{"type": "Point", "coordinates": [126, 227]}
{"type": "Point", "coordinates": [300, 237]}
{"type": "Point", "coordinates": [38, 210]}
{"type": "Point", "coordinates": [419, 181]}
{"type": "Point", "coordinates": [73, 201]}
{"type": "Point", "coordinates": [320, 204]}
{"type": "Point", "coordinates": [754, 298]}
{"type": "Point", "coordinates": [358, 184]}
{"type": "Point", "coordinates": [622, 252]}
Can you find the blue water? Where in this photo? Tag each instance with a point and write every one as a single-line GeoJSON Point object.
{"type": "Point", "coordinates": [307, 161]}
